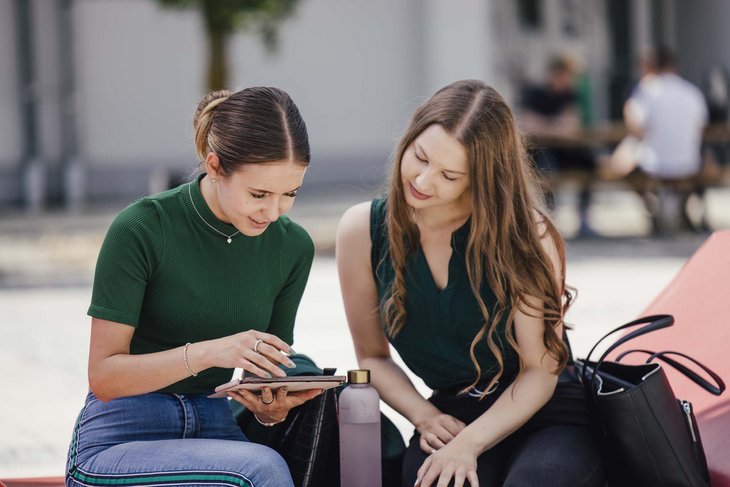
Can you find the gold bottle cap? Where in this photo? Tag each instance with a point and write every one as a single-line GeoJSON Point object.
{"type": "Point", "coordinates": [358, 376]}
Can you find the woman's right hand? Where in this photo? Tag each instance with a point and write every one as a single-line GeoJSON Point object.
{"type": "Point", "coordinates": [437, 430]}
{"type": "Point", "coordinates": [254, 351]}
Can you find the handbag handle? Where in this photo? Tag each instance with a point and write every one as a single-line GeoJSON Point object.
{"type": "Point", "coordinates": [653, 323]}
{"type": "Point", "coordinates": [716, 389]}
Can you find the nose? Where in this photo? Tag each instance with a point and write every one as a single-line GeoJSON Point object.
{"type": "Point", "coordinates": [423, 180]}
{"type": "Point", "coordinates": [271, 210]}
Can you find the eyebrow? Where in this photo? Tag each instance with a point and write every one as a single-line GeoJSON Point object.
{"type": "Point", "coordinates": [419, 147]}
{"type": "Point", "coordinates": [256, 190]}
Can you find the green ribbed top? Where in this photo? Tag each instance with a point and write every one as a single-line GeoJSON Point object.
{"type": "Point", "coordinates": [162, 270]}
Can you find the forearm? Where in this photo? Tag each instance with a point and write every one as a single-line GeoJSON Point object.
{"type": "Point", "coordinates": [517, 404]}
{"type": "Point", "coordinates": [123, 375]}
{"type": "Point", "coordinates": [396, 389]}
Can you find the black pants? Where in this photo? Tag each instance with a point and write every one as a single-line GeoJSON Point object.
{"type": "Point", "coordinates": [557, 447]}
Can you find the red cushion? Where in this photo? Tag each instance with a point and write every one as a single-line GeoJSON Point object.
{"type": "Point", "coordinates": [699, 299]}
{"type": "Point", "coordinates": [35, 482]}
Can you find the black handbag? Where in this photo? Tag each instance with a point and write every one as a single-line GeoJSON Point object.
{"type": "Point", "coordinates": [308, 439]}
{"type": "Point", "coordinates": [651, 437]}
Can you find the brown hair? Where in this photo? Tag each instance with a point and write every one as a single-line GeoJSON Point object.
{"type": "Point", "coordinates": [504, 244]}
{"type": "Point", "coordinates": [254, 125]}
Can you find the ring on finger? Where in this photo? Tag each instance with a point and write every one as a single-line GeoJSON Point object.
{"type": "Point", "coordinates": [266, 402]}
{"type": "Point", "coordinates": [256, 346]}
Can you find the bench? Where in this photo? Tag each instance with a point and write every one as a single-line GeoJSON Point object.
{"type": "Point", "coordinates": [698, 298]}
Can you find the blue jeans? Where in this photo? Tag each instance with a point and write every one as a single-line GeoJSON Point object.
{"type": "Point", "coordinates": [167, 439]}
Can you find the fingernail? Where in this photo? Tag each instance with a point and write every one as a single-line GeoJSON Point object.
{"type": "Point", "coordinates": [285, 389]}
{"type": "Point", "coordinates": [291, 351]}
{"type": "Point", "coordinates": [291, 364]}
{"type": "Point", "coordinates": [417, 482]}
{"type": "Point", "coordinates": [267, 375]}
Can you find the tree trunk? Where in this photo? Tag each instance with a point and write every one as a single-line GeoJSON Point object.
{"type": "Point", "coordinates": [217, 61]}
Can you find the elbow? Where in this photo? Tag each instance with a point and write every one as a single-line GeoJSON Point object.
{"type": "Point", "coordinates": [100, 393]}
{"type": "Point", "coordinates": [544, 380]}
{"type": "Point", "coordinates": [551, 383]}
{"type": "Point", "coordinates": [100, 387]}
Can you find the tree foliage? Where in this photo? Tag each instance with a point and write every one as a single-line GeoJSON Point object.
{"type": "Point", "coordinates": [222, 18]}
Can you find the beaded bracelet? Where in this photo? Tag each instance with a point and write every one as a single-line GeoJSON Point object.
{"type": "Point", "coordinates": [185, 359]}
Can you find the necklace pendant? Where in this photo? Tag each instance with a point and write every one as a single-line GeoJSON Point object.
{"type": "Point", "coordinates": [229, 239]}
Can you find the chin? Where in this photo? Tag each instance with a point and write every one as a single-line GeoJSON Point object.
{"type": "Point", "coordinates": [253, 232]}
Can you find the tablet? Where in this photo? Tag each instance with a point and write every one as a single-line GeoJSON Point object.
{"type": "Point", "coordinates": [294, 383]}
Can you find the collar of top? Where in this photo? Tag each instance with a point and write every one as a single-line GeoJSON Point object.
{"type": "Point", "coordinates": [204, 215]}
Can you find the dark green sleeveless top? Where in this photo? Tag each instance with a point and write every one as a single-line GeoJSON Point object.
{"type": "Point", "coordinates": [440, 325]}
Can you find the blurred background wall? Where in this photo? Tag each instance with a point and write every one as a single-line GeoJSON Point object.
{"type": "Point", "coordinates": [97, 96]}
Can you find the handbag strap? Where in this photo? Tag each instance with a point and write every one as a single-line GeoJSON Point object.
{"type": "Point", "coordinates": [652, 323]}
{"type": "Point", "coordinates": [716, 389]}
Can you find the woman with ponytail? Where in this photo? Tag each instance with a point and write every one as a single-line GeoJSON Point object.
{"type": "Point", "coordinates": [190, 284]}
{"type": "Point", "coordinates": [459, 267]}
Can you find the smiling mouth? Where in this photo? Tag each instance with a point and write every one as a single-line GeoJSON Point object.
{"type": "Point", "coordinates": [265, 222]}
{"type": "Point", "coordinates": [417, 194]}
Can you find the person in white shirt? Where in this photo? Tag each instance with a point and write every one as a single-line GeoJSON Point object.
{"type": "Point", "coordinates": [668, 114]}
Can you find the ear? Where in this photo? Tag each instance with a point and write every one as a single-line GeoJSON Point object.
{"type": "Point", "coordinates": [213, 165]}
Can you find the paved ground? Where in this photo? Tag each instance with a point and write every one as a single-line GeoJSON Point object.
{"type": "Point", "coordinates": [46, 265]}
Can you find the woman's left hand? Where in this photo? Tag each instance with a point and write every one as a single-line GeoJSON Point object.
{"type": "Point", "coordinates": [273, 406]}
{"type": "Point", "coordinates": [453, 461]}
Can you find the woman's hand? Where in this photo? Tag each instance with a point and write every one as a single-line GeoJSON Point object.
{"type": "Point", "coordinates": [273, 406]}
{"type": "Point", "coordinates": [438, 430]}
{"type": "Point", "coordinates": [454, 461]}
{"type": "Point", "coordinates": [254, 351]}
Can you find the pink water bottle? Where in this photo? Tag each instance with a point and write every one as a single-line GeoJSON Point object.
{"type": "Point", "coordinates": [359, 418]}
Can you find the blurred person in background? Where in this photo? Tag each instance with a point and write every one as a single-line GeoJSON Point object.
{"type": "Point", "coordinates": [549, 112]}
{"type": "Point", "coordinates": [190, 284]}
{"type": "Point", "coordinates": [668, 114]}
{"type": "Point", "coordinates": [459, 267]}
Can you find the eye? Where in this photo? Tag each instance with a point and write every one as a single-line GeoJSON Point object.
{"type": "Point", "coordinates": [293, 194]}
{"type": "Point", "coordinates": [419, 157]}
{"type": "Point", "coordinates": [258, 196]}
{"type": "Point", "coordinates": [448, 178]}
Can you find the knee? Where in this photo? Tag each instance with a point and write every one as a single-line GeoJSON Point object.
{"type": "Point", "coordinates": [558, 456]}
{"type": "Point", "coordinates": [272, 469]}
{"type": "Point", "coordinates": [558, 475]}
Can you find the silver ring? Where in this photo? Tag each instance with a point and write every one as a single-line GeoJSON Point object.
{"type": "Point", "coordinates": [262, 400]}
{"type": "Point", "coordinates": [256, 346]}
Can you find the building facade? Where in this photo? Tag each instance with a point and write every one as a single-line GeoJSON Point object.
{"type": "Point", "coordinates": [98, 100]}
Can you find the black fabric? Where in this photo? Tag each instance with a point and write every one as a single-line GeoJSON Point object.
{"type": "Point", "coordinates": [651, 438]}
{"type": "Point", "coordinates": [566, 423]}
{"type": "Point", "coordinates": [546, 102]}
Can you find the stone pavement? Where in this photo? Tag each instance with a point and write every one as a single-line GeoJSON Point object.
{"type": "Point", "coordinates": [46, 266]}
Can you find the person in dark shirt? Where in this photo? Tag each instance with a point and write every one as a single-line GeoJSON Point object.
{"type": "Point", "coordinates": [459, 267]}
{"type": "Point", "coordinates": [551, 111]}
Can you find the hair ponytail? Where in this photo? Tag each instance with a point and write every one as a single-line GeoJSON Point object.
{"type": "Point", "coordinates": [203, 120]}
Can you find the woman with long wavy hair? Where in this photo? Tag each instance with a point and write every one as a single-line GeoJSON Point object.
{"type": "Point", "coordinates": [460, 268]}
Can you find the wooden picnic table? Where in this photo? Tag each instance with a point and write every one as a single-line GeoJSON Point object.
{"type": "Point", "coordinates": [609, 134]}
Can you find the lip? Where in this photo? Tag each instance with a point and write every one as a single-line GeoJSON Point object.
{"type": "Point", "coordinates": [258, 225]}
{"type": "Point", "coordinates": [417, 194]}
